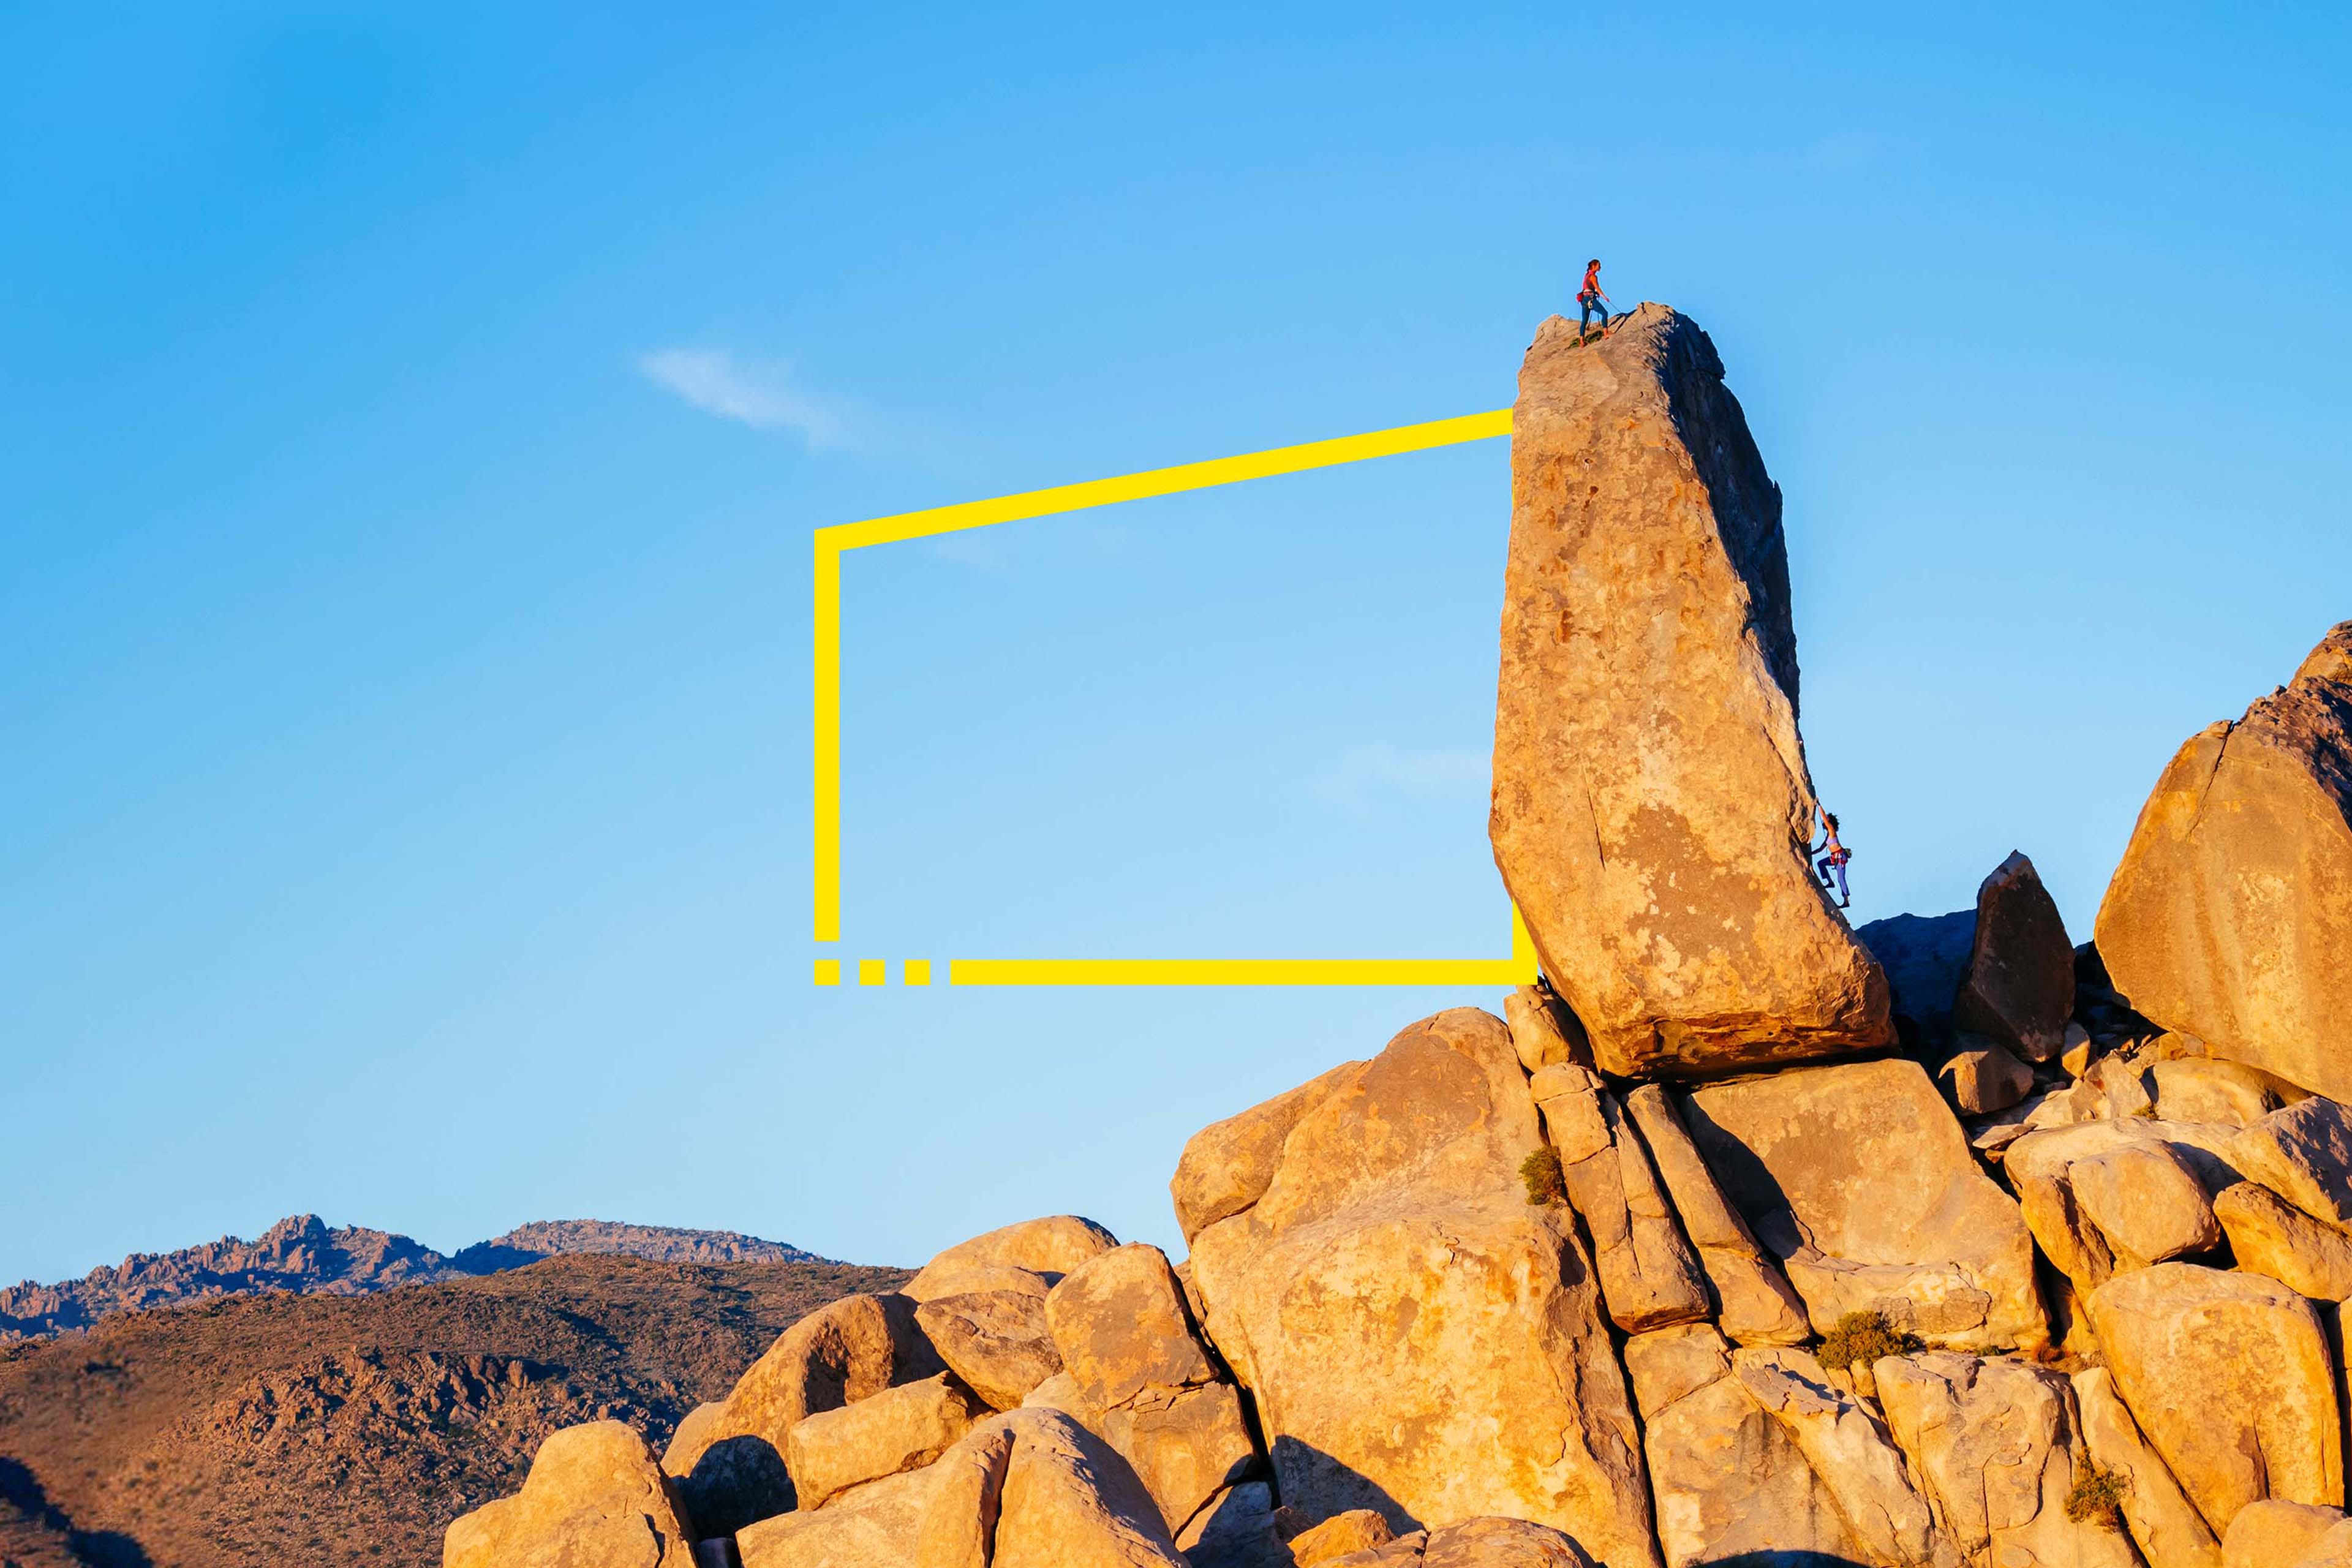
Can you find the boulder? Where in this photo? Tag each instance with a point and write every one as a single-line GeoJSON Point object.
{"type": "Point", "coordinates": [594, 1494]}
{"type": "Point", "coordinates": [1356, 1530]}
{"type": "Point", "coordinates": [1985, 1078]}
{"type": "Point", "coordinates": [2230, 1378]}
{"type": "Point", "coordinates": [2304, 1153]}
{"type": "Point", "coordinates": [1649, 1276]}
{"type": "Point", "coordinates": [2041, 1166]}
{"type": "Point", "coordinates": [1141, 1380]}
{"type": "Point", "coordinates": [901, 1429]}
{"type": "Point", "coordinates": [2147, 1202]}
{"type": "Point", "coordinates": [731, 1465]}
{"type": "Point", "coordinates": [1225, 1166]}
{"type": "Point", "coordinates": [1543, 1031]}
{"type": "Point", "coordinates": [2271, 1237]}
{"type": "Point", "coordinates": [996, 1341]}
{"type": "Point", "coordinates": [1856, 1176]}
{"type": "Point", "coordinates": [2231, 911]}
{"type": "Point", "coordinates": [1994, 1442]}
{"type": "Point", "coordinates": [1752, 1301]}
{"type": "Point", "coordinates": [1924, 957]}
{"type": "Point", "coordinates": [1652, 807]}
{"type": "Point", "coordinates": [1730, 1482]}
{"type": "Point", "coordinates": [2164, 1524]}
{"type": "Point", "coordinates": [2230, 1093]}
{"type": "Point", "coordinates": [1490, 1542]}
{"type": "Point", "coordinates": [876, 1525]}
{"type": "Point", "coordinates": [1420, 1339]}
{"type": "Point", "coordinates": [2018, 987]}
{"type": "Point", "coordinates": [2277, 1534]}
{"type": "Point", "coordinates": [1032, 1489]}
{"type": "Point", "coordinates": [1234, 1530]}
{"type": "Point", "coordinates": [1890, 1525]}
{"type": "Point", "coordinates": [1051, 1246]}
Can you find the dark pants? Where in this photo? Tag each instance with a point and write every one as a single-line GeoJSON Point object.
{"type": "Point", "coordinates": [1591, 306]}
{"type": "Point", "coordinates": [1829, 864]}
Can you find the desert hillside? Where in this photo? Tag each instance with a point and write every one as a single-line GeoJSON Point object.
{"type": "Point", "coordinates": [352, 1428]}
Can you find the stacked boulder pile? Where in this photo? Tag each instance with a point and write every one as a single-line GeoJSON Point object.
{"type": "Point", "coordinates": [1742, 1237]}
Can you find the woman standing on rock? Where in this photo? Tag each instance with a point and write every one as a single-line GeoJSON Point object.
{"type": "Point", "coordinates": [1591, 298]}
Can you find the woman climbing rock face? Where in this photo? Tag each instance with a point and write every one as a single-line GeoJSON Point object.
{"type": "Point", "coordinates": [1832, 857]}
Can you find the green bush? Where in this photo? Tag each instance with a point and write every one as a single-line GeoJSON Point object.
{"type": "Point", "coordinates": [1862, 1337]}
{"type": "Point", "coordinates": [1540, 1171]}
{"type": "Point", "coordinates": [2097, 1495]}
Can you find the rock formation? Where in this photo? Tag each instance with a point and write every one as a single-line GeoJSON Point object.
{"type": "Point", "coordinates": [1420, 1340]}
{"type": "Point", "coordinates": [1631, 1280]}
{"type": "Point", "coordinates": [1652, 805]}
{"type": "Point", "coordinates": [2230, 914]}
{"type": "Point", "coordinates": [594, 1494]}
{"type": "Point", "coordinates": [1859, 1179]}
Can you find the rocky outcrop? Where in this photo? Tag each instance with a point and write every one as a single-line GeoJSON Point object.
{"type": "Point", "coordinates": [2231, 911]}
{"type": "Point", "coordinates": [1142, 1382]}
{"type": "Point", "coordinates": [1050, 1248]}
{"type": "Point", "coordinates": [1420, 1340]}
{"type": "Point", "coordinates": [2167, 1527]}
{"type": "Point", "coordinates": [2279, 1535]}
{"type": "Point", "coordinates": [1491, 1542]}
{"type": "Point", "coordinates": [872, 1526]}
{"type": "Point", "coordinates": [1652, 805]}
{"type": "Point", "coordinates": [1034, 1489]}
{"type": "Point", "coordinates": [2304, 1153]}
{"type": "Point", "coordinates": [594, 1494]}
{"type": "Point", "coordinates": [1995, 1443]}
{"type": "Point", "coordinates": [998, 1341]}
{"type": "Point", "coordinates": [528, 1244]}
{"type": "Point", "coordinates": [2018, 989]}
{"type": "Point", "coordinates": [1752, 1299]}
{"type": "Point", "coordinates": [2271, 1237]}
{"type": "Point", "coordinates": [1730, 1481]}
{"type": "Point", "coordinates": [1225, 1166]}
{"type": "Point", "coordinates": [2230, 1378]}
{"type": "Point", "coordinates": [1856, 1176]}
{"type": "Point", "coordinates": [1847, 1449]}
{"type": "Point", "coordinates": [1649, 1276]}
{"type": "Point", "coordinates": [901, 1429]}
{"type": "Point", "coordinates": [731, 1465]}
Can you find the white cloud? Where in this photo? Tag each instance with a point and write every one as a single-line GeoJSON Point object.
{"type": "Point", "coordinates": [1429, 774]}
{"type": "Point", "coordinates": [754, 394]}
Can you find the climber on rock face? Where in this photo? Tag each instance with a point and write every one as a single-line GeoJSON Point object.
{"type": "Point", "coordinates": [1833, 856]}
{"type": "Point", "coordinates": [1591, 298]}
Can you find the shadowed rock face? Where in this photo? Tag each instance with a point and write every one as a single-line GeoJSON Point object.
{"type": "Point", "coordinates": [2230, 914]}
{"type": "Point", "coordinates": [1652, 805]}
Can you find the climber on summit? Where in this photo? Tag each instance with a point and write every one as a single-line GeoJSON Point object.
{"type": "Point", "coordinates": [1591, 298]}
{"type": "Point", "coordinates": [1834, 856]}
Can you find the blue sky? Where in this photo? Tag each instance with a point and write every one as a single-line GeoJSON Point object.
{"type": "Point", "coordinates": [412, 420]}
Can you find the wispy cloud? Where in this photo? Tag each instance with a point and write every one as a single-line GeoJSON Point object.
{"type": "Point", "coordinates": [751, 393]}
{"type": "Point", "coordinates": [1425, 774]}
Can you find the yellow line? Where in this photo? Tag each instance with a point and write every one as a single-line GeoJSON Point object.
{"type": "Point", "coordinates": [918, 972]}
{"type": "Point", "coordinates": [872, 971]}
{"type": "Point", "coordinates": [1239, 971]}
{"type": "Point", "coordinates": [828, 770]}
{"type": "Point", "coordinates": [828, 972]}
{"type": "Point", "coordinates": [1168, 481]}
{"type": "Point", "coordinates": [825, 593]}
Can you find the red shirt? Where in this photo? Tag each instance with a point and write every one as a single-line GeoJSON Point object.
{"type": "Point", "coordinates": [1591, 282]}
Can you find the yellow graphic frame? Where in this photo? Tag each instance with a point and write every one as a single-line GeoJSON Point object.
{"type": "Point", "coordinates": [833, 543]}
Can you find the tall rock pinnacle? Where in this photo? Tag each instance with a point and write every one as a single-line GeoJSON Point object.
{"type": "Point", "coordinates": [1651, 805]}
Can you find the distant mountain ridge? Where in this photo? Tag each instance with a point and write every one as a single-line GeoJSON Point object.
{"type": "Point", "coordinates": [303, 1255]}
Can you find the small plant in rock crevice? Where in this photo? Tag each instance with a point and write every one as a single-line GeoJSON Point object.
{"type": "Point", "coordinates": [2097, 1495]}
{"type": "Point", "coordinates": [1540, 1171]}
{"type": "Point", "coordinates": [1863, 1338]}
